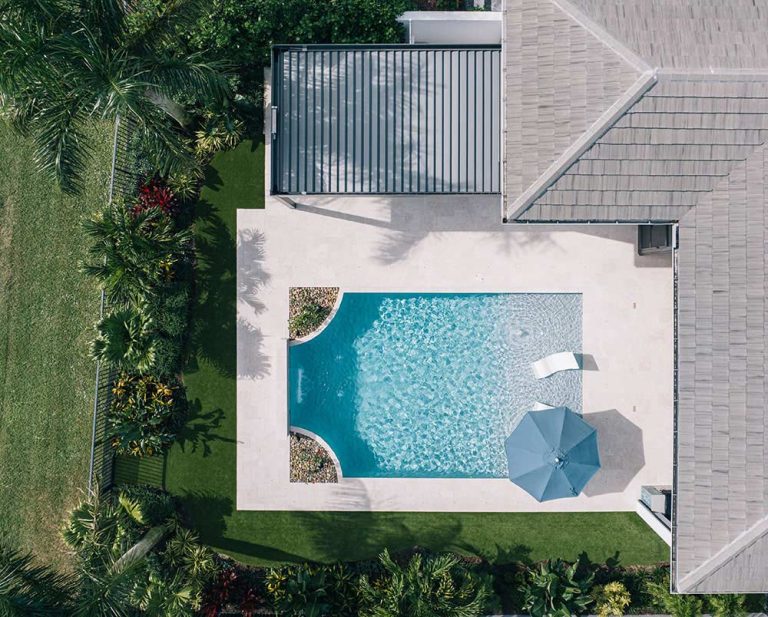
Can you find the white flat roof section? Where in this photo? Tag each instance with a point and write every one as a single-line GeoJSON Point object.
{"type": "Point", "coordinates": [452, 27]}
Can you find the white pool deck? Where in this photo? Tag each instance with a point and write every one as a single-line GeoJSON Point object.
{"type": "Point", "coordinates": [454, 244]}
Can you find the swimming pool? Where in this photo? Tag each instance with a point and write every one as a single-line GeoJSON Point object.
{"type": "Point", "coordinates": [430, 385]}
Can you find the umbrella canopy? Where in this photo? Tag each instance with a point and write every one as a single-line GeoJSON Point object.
{"type": "Point", "coordinates": [552, 453]}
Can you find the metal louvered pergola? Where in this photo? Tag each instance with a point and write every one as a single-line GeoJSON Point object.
{"type": "Point", "coordinates": [396, 119]}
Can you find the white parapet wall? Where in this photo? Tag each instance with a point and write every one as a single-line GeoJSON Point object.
{"type": "Point", "coordinates": [654, 523]}
{"type": "Point", "coordinates": [452, 27]}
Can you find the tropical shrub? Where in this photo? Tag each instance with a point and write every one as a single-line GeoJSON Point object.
{"type": "Point", "coordinates": [427, 585]}
{"type": "Point", "coordinates": [241, 32]}
{"type": "Point", "coordinates": [144, 414]}
{"type": "Point", "coordinates": [234, 588]}
{"type": "Point", "coordinates": [727, 605]}
{"type": "Point", "coordinates": [125, 340]}
{"type": "Point", "coordinates": [169, 309]}
{"type": "Point", "coordinates": [556, 589]}
{"type": "Point", "coordinates": [64, 63]}
{"type": "Point", "coordinates": [218, 131]}
{"type": "Point", "coordinates": [185, 183]}
{"type": "Point", "coordinates": [168, 358]}
{"type": "Point", "coordinates": [677, 605]}
{"type": "Point", "coordinates": [299, 591]}
{"type": "Point", "coordinates": [134, 254]}
{"type": "Point", "coordinates": [612, 600]}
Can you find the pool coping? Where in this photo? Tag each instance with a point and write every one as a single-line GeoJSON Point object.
{"type": "Point", "coordinates": [449, 245]}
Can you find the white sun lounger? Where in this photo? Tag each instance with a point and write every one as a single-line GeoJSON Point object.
{"type": "Point", "coordinates": [554, 363]}
{"type": "Point", "coordinates": [537, 406]}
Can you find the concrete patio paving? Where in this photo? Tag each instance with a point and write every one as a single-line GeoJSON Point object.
{"type": "Point", "coordinates": [454, 244]}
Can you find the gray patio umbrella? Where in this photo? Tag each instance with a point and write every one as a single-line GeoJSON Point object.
{"type": "Point", "coordinates": [552, 453]}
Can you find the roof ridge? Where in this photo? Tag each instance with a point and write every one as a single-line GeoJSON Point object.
{"type": "Point", "coordinates": [601, 34]}
{"type": "Point", "coordinates": [714, 74]}
{"type": "Point", "coordinates": [734, 548]}
{"type": "Point", "coordinates": [606, 120]}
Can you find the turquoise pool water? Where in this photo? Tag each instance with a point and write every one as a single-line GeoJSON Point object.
{"type": "Point", "coordinates": [430, 385]}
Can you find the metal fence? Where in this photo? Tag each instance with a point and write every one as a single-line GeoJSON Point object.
{"type": "Point", "coordinates": [122, 183]}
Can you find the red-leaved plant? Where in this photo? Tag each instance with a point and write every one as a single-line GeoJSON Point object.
{"type": "Point", "coordinates": [156, 195]}
{"type": "Point", "coordinates": [232, 588]}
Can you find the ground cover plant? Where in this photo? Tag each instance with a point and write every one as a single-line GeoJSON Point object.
{"type": "Point", "coordinates": [308, 308]}
{"type": "Point", "coordinates": [47, 310]}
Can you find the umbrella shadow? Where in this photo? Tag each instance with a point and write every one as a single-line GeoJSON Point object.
{"type": "Point", "coordinates": [622, 454]}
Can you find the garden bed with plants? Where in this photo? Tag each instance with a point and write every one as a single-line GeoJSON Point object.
{"type": "Point", "coordinates": [308, 308]}
{"type": "Point", "coordinates": [418, 582]}
{"type": "Point", "coordinates": [310, 462]}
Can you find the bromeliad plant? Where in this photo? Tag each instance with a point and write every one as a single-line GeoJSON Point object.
{"type": "Point", "coordinates": [219, 131]}
{"type": "Point", "coordinates": [155, 195]}
{"type": "Point", "coordinates": [612, 600]}
{"type": "Point", "coordinates": [555, 589]}
{"type": "Point", "coordinates": [299, 591]}
{"type": "Point", "coordinates": [144, 414]}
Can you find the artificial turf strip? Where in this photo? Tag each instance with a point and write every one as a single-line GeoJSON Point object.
{"type": "Point", "coordinates": [47, 312]}
{"type": "Point", "coordinates": [201, 468]}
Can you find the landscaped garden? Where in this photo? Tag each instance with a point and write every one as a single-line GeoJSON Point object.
{"type": "Point", "coordinates": [166, 538]}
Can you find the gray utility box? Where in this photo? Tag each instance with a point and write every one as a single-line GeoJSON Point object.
{"type": "Point", "coordinates": [656, 498]}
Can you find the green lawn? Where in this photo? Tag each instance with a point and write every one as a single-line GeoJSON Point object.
{"type": "Point", "coordinates": [47, 312]}
{"type": "Point", "coordinates": [201, 469]}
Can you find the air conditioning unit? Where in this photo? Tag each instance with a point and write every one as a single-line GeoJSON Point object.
{"type": "Point", "coordinates": [656, 498]}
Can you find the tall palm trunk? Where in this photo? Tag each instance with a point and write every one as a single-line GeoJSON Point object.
{"type": "Point", "coordinates": [142, 548]}
{"type": "Point", "coordinates": [168, 105]}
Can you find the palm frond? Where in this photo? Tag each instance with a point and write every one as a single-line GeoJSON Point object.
{"type": "Point", "coordinates": [61, 149]}
{"type": "Point", "coordinates": [190, 75]}
{"type": "Point", "coordinates": [28, 590]}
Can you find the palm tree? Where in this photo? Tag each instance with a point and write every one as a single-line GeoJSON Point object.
{"type": "Point", "coordinates": [115, 575]}
{"type": "Point", "coordinates": [133, 253]}
{"type": "Point", "coordinates": [66, 62]}
{"type": "Point", "coordinates": [27, 590]}
{"type": "Point", "coordinates": [125, 341]}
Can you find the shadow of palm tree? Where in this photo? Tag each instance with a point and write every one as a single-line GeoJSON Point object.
{"type": "Point", "coordinates": [201, 429]}
{"type": "Point", "coordinates": [214, 336]}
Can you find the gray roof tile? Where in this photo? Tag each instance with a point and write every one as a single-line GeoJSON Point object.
{"type": "Point", "coordinates": [691, 148]}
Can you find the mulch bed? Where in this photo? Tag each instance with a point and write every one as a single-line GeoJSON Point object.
{"type": "Point", "coordinates": [310, 462]}
{"type": "Point", "coordinates": [299, 297]}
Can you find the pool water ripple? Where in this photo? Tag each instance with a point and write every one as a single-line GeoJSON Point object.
{"type": "Point", "coordinates": [430, 385]}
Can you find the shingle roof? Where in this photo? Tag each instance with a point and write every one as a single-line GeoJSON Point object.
{"type": "Point", "coordinates": [722, 485]}
{"type": "Point", "coordinates": [687, 34]}
{"type": "Point", "coordinates": [564, 79]}
{"type": "Point", "coordinates": [682, 141]}
{"type": "Point", "coordinates": [662, 155]}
